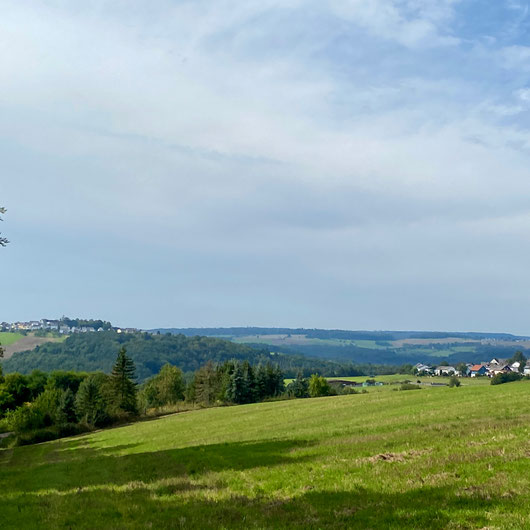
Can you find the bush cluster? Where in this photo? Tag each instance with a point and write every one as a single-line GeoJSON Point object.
{"type": "Point", "coordinates": [508, 377]}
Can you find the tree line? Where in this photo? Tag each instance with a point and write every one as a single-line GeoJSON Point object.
{"type": "Point", "coordinates": [42, 406]}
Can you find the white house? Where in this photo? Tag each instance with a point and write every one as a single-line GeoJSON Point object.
{"type": "Point", "coordinates": [423, 368]}
{"type": "Point", "coordinates": [446, 370]}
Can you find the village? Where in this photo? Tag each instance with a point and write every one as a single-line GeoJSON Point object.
{"type": "Point", "coordinates": [63, 326]}
{"type": "Point", "coordinates": [487, 369]}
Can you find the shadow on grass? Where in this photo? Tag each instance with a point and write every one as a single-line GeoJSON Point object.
{"type": "Point", "coordinates": [75, 465]}
{"type": "Point", "coordinates": [183, 507]}
{"type": "Point", "coordinates": [101, 488]}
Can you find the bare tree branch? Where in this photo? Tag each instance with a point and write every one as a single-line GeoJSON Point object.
{"type": "Point", "coordinates": [3, 241]}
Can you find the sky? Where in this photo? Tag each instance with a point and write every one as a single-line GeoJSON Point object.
{"type": "Point", "coordinates": [354, 164]}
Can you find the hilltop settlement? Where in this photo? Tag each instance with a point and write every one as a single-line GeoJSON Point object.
{"type": "Point", "coordinates": [63, 326]}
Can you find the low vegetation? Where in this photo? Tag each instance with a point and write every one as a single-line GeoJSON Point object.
{"type": "Point", "coordinates": [499, 379]}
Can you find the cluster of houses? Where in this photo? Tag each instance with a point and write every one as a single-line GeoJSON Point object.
{"type": "Point", "coordinates": [56, 325]}
{"type": "Point", "coordinates": [494, 367]}
{"type": "Point", "coordinates": [46, 325]}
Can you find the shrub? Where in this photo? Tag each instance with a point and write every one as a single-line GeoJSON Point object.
{"type": "Point", "coordinates": [319, 386]}
{"type": "Point", "coordinates": [454, 381]}
{"type": "Point", "coordinates": [47, 405]}
{"type": "Point", "coordinates": [347, 390]}
{"type": "Point", "coordinates": [508, 377]}
{"type": "Point", "coordinates": [24, 418]}
{"type": "Point", "coordinates": [409, 386]}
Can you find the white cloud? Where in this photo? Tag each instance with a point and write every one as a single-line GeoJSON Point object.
{"type": "Point", "coordinates": [409, 22]}
{"type": "Point", "coordinates": [270, 142]}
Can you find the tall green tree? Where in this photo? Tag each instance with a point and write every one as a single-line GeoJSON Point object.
{"type": "Point", "coordinates": [170, 384]}
{"type": "Point", "coordinates": [269, 381]}
{"type": "Point", "coordinates": [90, 404]}
{"type": "Point", "coordinates": [241, 386]}
{"type": "Point", "coordinates": [235, 389]}
{"type": "Point", "coordinates": [123, 382]}
{"type": "Point", "coordinates": [166, 388]}
{"type": "Point", "coordinates": [66, 412]}
{"type": "Point", "coordinates": [207, 384]}
{"type": "Point", "coordinates": [318, 386]}
{"type": "Point", "coordinates": [299, 388]}
{"type": "Point", "coordinates": [519, 357]}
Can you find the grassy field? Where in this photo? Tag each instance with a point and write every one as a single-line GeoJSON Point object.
{"type": "Point", "coordinates": [7, 338]}
{"type": "Point", "coordinates": [16, 342]}
{"type": "Point", "coordinates": [398, 378]}
{"type": "Point", "coordinates": [434, 458]}
{"type": "Point", "coordinates": [391, 381]}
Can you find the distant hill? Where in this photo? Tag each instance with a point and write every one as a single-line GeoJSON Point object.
{"type": "Point", "coordinates": [328, 352]}
{"type": "Point", "coordinates": [339, 333]}
{"type": "Point", "coordinates": [97, 351]}
{"type": "Point", "coordinates": [378, 347]}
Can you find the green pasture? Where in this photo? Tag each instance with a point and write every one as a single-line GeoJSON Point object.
{"type": "Point", "coordinates": [7, 338]}
{"type": "Point", "coordinates": [434, 458]}
{"type": "Point", "coordinates": [398, 378]}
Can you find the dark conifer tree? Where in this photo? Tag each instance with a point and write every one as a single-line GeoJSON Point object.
{"type": "Point", "coordinates": [123, 384]}
{"type": "Point", "coordinates": [66, 409]}
{"type": "Point", "coordinates": [249, 384]}
{"type": "Point", "coordinates": [262, 382]}
{"type": "Point", "coordinates": [235, 391]}
{"type": "Point", "coordinates": [299, 388]}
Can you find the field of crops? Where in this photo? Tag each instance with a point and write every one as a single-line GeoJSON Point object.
{"type": "Point", "coordinates": [433, 458]}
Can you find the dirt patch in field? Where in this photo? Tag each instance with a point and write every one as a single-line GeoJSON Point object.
{"type": "Point", "coordinates": [25, 344]}
{"type": "Point", "coordinates": [395, 457]}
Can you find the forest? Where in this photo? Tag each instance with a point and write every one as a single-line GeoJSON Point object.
{"type": "Point", "coordinates": [91, 352]}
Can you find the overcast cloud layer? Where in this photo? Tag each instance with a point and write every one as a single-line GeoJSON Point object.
{"type": "Point", "coordinates": [359, 164]}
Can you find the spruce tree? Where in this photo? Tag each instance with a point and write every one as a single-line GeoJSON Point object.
{"type": "Point", "coordinates": [262, 382]}
{"type": "Point", "coordinates": [235, 390]}
{"type": "Point", "coordinates": [249, 384]}
{"type": "Point", "coordinates": [90, 404]}
{"type": "Point", "coordinates": [66, 408]}
{"type": "Point", "coordinates": [299, 388]}
{"type": "Point", "coordinates": [123, 384]}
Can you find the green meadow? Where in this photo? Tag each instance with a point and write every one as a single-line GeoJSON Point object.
{"type": "Point", "coordinates": [433, 458]}
{"type": "Point", "coordinates": [7, 338]}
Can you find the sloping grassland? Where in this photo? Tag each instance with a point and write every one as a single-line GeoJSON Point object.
{"type": "Point", "coordinates": [27, 343]}
{"type": "Point", "coordinates": [430, 458]}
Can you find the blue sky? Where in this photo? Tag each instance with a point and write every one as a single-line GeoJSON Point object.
{"type": "Point", "coordinates": [360, 164]}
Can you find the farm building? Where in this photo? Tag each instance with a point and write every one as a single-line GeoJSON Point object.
{"type": "Point", "coordinates": [446, 370]}
{"type": "Point", "coordinates": [478, 369]}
